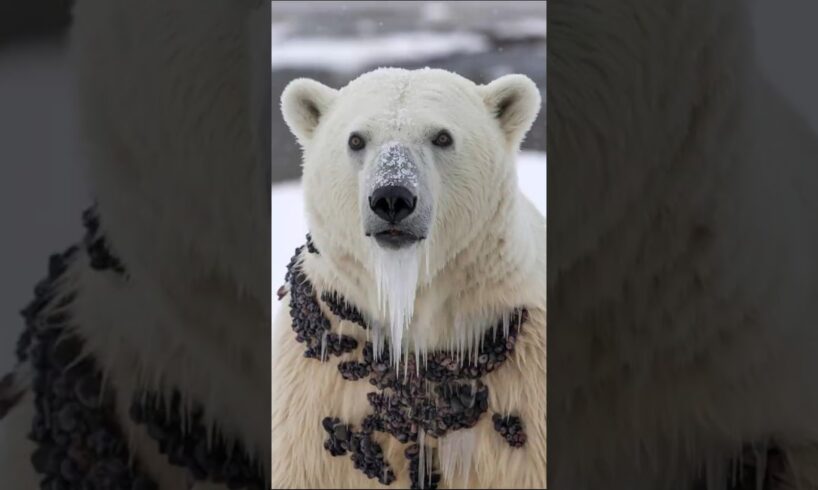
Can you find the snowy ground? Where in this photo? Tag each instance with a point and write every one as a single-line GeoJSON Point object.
{"type": "Point", "coordinates": [290, 227]}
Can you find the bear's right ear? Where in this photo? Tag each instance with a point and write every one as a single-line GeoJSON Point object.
{"type": "Point", "coordinates": [514, 101]}
{"type": "Point", "coordinates": [303, 103]}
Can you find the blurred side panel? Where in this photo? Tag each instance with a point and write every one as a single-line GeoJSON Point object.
{"type": "Point", "coordinates": [683, 168]}
{"type": "Point", "coordinates": [135, 191]}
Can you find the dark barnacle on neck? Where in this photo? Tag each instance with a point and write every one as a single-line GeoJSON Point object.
{"type": "Point", "coordinates": [511, 428]}
{"type": "Point", "coordinates": [308, 321]}
{"type": "Point", "coordinates": [77, 436]}
{"type": "Point", "coordinates": [96, 245]}
{"type": "Point", "coordinates": [443, 393]}
{"type": "Point", "coordinates": [342, 309]}
{"type": "Point", "coordinates": [366, 454]}
{"type": "Point", "coordinates": [182, 434]}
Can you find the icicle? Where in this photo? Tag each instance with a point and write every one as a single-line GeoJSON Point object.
{"type": "Point", "coordinates": [324, 346]}
{"type": "Point", "coordinates": [475, 344]}
{"type": "Point", "coordinates": [425, 358]}
{"type": "Point", "coordinates": [396, 273]}
{"type": "Point", "coordinates": [460, 341]}
{"type": "Point", "coordinates": [425, 461]}
{"type": "Point", "coordinates": [494, 330]}
{"type": "Point", "coordinates": [377, 340]}
{"type": "Point", "coordinates": [427, 259]}
{"type": "Point", "coordinates": [417, 360]}
{"type": "Point", "coordinates": [429, 467]}
{"type": "Point", "coordinates": [422, 457]}
{"type": "Point", "coordinates": [480, 342]}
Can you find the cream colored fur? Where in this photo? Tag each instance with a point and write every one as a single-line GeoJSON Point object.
{"type": "Point", "coordinates": [169, 105]}
{"type": "Point", "coordinates": [486, 254]}
{"type": "Point", "coordinates": [694, 181]}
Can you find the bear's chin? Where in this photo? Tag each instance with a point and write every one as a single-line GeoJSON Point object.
{"type": "Point", "coordinates": [396, 239]}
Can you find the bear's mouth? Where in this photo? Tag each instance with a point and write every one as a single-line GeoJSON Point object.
{"type": "Point", "coordinates": [394, 238]}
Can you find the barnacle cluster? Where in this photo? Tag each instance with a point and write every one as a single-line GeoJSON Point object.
{"type": "Point", "coordinates": [79, 443]}
{"type": "Point", "coordinates": [182, 434]}
{"type": "Point", "coordinates": [440, 394]}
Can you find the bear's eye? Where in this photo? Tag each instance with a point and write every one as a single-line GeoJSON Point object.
{"type": "Point", "coordinates": [356, 142]}
{"type": "Point", "coordinates": [443, 139]}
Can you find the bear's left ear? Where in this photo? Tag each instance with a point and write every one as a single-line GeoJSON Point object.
{"type": "Point", "coordinates": [303, 103]}
{"type": "Point", "coordinates": [514, 101]}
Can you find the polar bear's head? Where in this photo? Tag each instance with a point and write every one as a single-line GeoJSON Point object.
{"type": "Point", "coordinates": [398, 157]}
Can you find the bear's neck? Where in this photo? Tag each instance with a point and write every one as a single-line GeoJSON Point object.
{"type": "Point", "coordinates": [501, 269]}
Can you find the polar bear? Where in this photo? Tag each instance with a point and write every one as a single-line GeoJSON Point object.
{"type": "Point", "coordinates": [418, 225]}
{"type": "Point", "coordinates": [682, 276]}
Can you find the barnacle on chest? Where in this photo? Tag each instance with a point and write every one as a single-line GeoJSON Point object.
{"type": "Point", "coordinates": [414, 399]}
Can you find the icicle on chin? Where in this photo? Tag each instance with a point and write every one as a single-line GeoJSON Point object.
{"type": "Point", "coordinates": [396, 277]}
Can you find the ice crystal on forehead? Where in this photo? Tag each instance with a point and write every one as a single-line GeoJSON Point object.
{"type": "Point", "coordinates": [401, 119]}
{"type": "Point", "coordinates": [396, 274]}
{"type": "Point", "coordinates": [395, 166]}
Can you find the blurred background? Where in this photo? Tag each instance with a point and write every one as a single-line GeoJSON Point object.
{"type": "Point", "coordinates": [334, 42]}
{"type": "Point", "coordinates": [42, 189]}
{"type": "Point", "coordinates": [27, 20]}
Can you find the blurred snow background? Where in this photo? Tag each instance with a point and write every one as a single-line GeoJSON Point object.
{"type": "Point", "coordinates": [334, 42]}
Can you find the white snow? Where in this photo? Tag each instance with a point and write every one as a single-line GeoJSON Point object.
{"type": "Point", "coordinates": [436, 12]}
{"type": "Point", "coordinates": [279, 31]}
{"type": "Point", "coordinates": [289, 226]}
{"type": "Point", "coordinates": [350, 55]}
{"type": "Point", "coordinates": [531, 170]}
{"type": "Point", "coordinates": [396, 167]}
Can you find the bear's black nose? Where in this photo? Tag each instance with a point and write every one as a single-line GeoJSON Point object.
{"type": "Point", "coordinates": [392, 203]}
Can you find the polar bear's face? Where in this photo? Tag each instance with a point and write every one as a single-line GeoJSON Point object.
{"type": "Point", "coordinates": [398, 157]}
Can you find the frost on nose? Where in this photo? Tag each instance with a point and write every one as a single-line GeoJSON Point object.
{"type": "Point", "coordinates": [394, 166]}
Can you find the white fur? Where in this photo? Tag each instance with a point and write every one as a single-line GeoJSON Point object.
{"type": "Point", "coordinates": [694, 181]}
{"type": "Point", "coordinates": [168, 100]}
{"type": "Point", "coordinates": [484, 256]}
